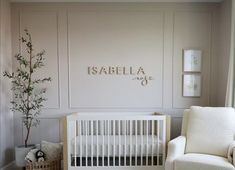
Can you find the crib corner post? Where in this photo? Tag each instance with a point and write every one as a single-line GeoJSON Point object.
{"type": "Point", "coordinates": [65, 146]}
{"type": "Point", "coordinates": [168, 128]}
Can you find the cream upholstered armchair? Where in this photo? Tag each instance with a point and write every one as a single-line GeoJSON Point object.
{"type": "Point", "coordinates": [206, 141]}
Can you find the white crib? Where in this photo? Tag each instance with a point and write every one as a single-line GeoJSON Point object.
{"type": "Point", "coordinates": [120, 141]}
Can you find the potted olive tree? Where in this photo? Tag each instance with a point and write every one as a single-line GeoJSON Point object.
{"type": "Point", "coordinates": [28, 95]}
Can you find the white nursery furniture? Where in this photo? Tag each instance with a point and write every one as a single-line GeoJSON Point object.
{"type": "Point", "coordinates": [206, 141]}
{"type": "Point", "coordinates": [115, 140]}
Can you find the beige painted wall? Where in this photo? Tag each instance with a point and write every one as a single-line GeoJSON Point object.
{"type": "Point", "coordinates": [6, 117]}
{"type": "Point", "coordinates": [154, 35]}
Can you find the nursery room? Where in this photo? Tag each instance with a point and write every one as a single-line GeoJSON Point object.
{"type": "Point", "coordinates": [117, 84]}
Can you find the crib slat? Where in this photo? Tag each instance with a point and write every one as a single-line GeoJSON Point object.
{"type": "Point", "coordinates": [152, 128]}
{"type": "Point", "coordinates": [86, 124]}
{"type": "Point", "coordinates": [97, 143]}
{"type": "Point", "coordinates": [84, 128]}
{"type": "Point", "coordinates": [80, 143]}
{"type": "Point", "coordinates": [130, 144]}
{"type": "Point", "coordinates": [158, 141]}
{"type": "Point", "coordinates": [141, 146]}
{"type": "Point", "coordinates": [108, 143]}
{"type": "Point", "coordinates": [92, 144]}
{"type": "Point", "coordinates": [75, 143]}
{"type": "Point", "coordinates": [69, 136]}
{"type": "Point", "coordinates": [114, 130]}
{"type": "Point", "coordinates": [163, 141]}
{"type": "Point", "coordinates": [136, 142]}
{"type": "Point", "coordinates": [125, 132]}
{"type": "Point", "coordinates": [119, 142]}
{"type": "Point", "coordinates": [147, 140]}
{"type": "Point", "coordinates": [103, 133]}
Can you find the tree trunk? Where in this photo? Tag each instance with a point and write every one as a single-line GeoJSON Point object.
{"type": "Point", "coordinates": [27, 137]}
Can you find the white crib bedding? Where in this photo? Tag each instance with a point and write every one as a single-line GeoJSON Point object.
{"type": "Point", "coordinates": [147, 145]}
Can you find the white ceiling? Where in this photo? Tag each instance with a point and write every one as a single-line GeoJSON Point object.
{"type": "Point", "coordinates": [116, 0]}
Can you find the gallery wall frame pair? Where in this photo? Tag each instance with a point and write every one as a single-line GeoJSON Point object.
{"type": "Point", "coordinates": [192, 68]}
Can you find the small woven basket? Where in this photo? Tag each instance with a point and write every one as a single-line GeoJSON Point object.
{"type": "Point", "coordinates": [44, 165]}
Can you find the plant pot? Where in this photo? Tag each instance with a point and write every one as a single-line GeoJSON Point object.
{"type": "Point", "coordinates": [20, 153]}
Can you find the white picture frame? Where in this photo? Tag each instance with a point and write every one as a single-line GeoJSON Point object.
{"type": "Point", "coordinates": [192, 60]}
{"type": "Point", "coordinates": [191, 85]}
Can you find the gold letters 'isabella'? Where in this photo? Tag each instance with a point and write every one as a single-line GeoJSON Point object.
{"type": "Point", "coordinates": [115, 70]}
{"type": "Point", "coordinates": [138, 72]}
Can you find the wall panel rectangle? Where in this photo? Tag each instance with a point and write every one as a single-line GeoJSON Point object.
{"type": "Point", "coordinates": [130, 39]}
{"type": "Point", "coordinates": [192, 30]}
{"type": "Point", "coordinates": [43, 26]}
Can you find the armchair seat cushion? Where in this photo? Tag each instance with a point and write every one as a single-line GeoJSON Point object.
{"type": "Point", "coordinates": [192, 161]}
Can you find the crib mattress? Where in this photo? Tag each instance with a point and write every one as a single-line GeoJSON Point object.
{"type": "Point", "coordinates": [147, 145]}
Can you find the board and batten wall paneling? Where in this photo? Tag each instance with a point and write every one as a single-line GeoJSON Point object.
{"type": "Point", "coordinates": [152, 36]}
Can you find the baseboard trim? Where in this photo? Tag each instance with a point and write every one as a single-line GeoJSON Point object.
{"type": "Point", "coordinates": [11, 164]}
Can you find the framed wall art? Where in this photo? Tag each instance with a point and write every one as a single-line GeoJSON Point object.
{"type": "Point", "coordinates": [192, 60]}
{"type": "Point", "coordinates": [191, 85]}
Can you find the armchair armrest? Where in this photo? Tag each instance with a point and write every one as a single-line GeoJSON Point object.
{"type": "Point", "coordinates": [176, 148]}
{"type": "Point", "coordinates": [233, 157]}
{"type": "Point", "coordinates": [231, 153]}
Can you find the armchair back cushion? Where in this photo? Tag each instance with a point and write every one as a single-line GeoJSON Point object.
{"type": "Point", "coordinates": [210, 130]}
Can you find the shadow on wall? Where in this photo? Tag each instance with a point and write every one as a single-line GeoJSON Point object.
{"type": "Point", "coordinates": [176, 123]}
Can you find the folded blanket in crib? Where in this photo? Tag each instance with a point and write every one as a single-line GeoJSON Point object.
{"type": "Point", "coordinates": [230, 152]}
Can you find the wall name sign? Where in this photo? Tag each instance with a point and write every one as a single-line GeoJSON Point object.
{"type": "Point", "coordinates": [138, 73]}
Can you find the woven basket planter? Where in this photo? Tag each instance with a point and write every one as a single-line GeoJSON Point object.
{"type": "Point", "coordinates": [45, 165]}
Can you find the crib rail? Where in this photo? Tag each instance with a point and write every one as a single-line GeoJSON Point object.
{"type": "Point", "coordinates": [115, 141]}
